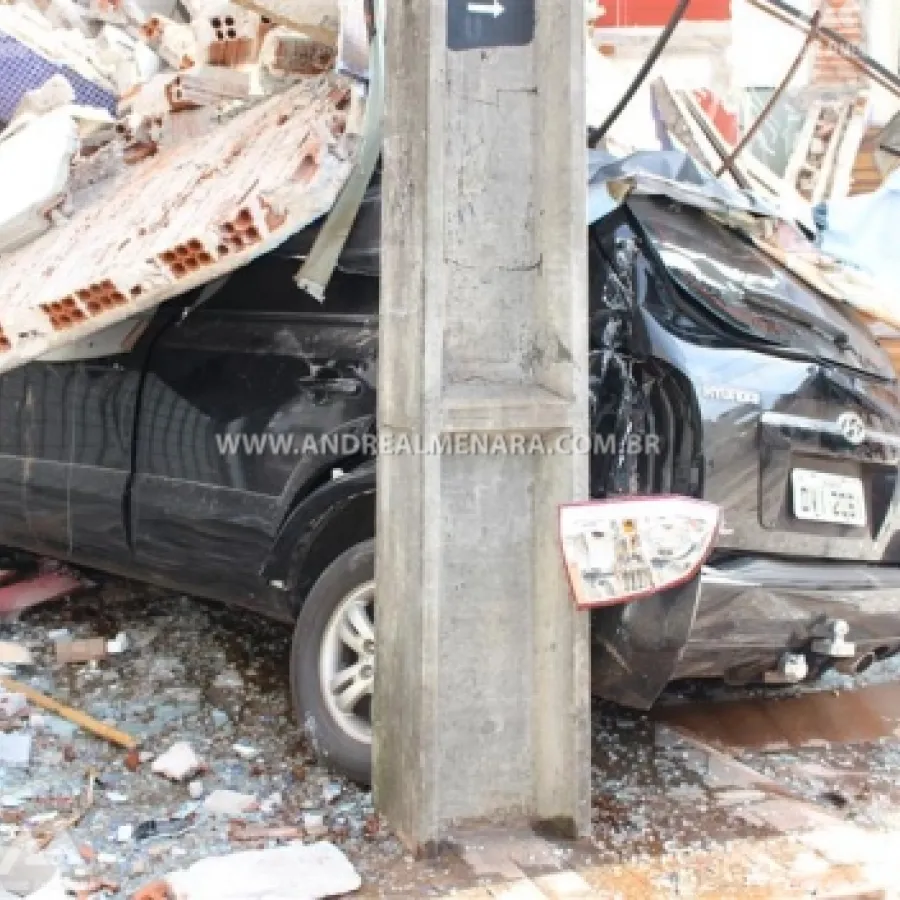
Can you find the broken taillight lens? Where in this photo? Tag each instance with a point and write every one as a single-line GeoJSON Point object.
{"type": "Point", "coordinates": [616, 551]}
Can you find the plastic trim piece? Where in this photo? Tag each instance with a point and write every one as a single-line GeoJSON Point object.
{"type": "Point", "coordinates": [316, 272]}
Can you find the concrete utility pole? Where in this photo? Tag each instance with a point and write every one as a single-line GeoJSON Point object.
{"type": "Point", "coordinates": [482, 688]}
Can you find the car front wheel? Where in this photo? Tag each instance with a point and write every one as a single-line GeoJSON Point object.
{"type": "Point", "coordinates": [333, 663]}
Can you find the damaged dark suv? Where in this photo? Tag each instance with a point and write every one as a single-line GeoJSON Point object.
{"type": "Point", "coordinates": [224, 454]}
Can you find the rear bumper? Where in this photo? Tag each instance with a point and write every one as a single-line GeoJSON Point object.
{"type": "Point", "coordinates": [736, 621]}
{"type": "Point", "coordinates": [751, 610]}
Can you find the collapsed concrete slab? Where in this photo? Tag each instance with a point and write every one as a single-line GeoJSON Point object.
{"type": "Point", "coordinates": [317, 19]}
{"type": "Point", "coordinates": [179, 219]}
{"type": "Point", "coordinates": [235, 180]}
{"type": "Point", "coordinates": [34, 171]}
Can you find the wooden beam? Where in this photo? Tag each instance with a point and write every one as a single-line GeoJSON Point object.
{"type": "Point", "coordinates": [682, 127]}
{"type": "Point", "coordinates": [801, 151]}
{"type": "Point", "coordinates": [823, 178]}
{"type": "Point", "coordinates": [842, 177]}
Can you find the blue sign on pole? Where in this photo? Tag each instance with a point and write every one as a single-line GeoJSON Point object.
{"type": "Point", "coordinates": [489, 23]}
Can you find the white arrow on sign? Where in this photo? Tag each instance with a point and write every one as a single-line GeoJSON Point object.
{"type": "Point", "coordinates": [494, 9]}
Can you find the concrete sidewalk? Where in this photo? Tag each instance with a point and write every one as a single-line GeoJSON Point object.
{"type": "Point", "coordinates": [784, 868]}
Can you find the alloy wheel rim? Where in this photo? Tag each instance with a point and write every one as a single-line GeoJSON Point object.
{"type": "Point", "coordinates": [347, 662]}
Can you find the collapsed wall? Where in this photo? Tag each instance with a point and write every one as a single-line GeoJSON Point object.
{"type": "Point", "coordinates": [163, 149]}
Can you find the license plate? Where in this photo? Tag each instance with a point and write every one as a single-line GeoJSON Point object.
{"type": "Point", "coordinates": [823, 497]}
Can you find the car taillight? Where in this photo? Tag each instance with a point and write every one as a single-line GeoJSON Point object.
{"type": "Point", "coordinates": [620, 550]}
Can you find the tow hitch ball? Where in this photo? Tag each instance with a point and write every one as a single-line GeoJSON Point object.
{"type": "Point", "coordinates": [830, 639]}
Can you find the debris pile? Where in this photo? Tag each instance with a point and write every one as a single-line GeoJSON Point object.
{"type": "Point", "coordinates": [160, 764]}
{"type": "Point", "coordinates": [791, 213]}
{"type": "Point", "coordinates": [159, 146]}
{"type": "Point", "coordinates": [820, 148]}
{"type": "Point", "coordinates": [220, 770]}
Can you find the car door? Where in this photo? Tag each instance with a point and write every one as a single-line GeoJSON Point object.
{"type": "Point", "coordinates": [18, 445]}
{"type": "Point", "coordinates": [103, 417]}
{"type": "Point", "coordinates": [257, 362]}
{"type": "Point", "coordinates": [54, 394]}
{"type": "Point", "coordinates": [75, 435]}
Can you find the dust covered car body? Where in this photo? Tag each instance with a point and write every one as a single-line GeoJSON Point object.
{"type": "Point", "coordinates": [223, 450]}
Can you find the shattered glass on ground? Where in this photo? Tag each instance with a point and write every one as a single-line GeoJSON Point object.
{"type": "Point", "coordinates": [671, 804]}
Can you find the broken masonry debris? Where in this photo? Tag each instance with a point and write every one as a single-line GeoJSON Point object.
{"type": "Point", "coordinates": [178, 763]}
{"type": "Point", "coordinates": [107, 101]}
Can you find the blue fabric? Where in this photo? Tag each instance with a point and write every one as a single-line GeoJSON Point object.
{"type": "Point", "coordinates": [23, 70]}
{"type": "Point", "coordinates": [863, 231]}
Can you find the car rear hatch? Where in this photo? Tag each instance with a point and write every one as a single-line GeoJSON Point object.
{"type": "Point", "coordinates": [810, 469]}
{"type": "Point", "coordinates": [753, 295]}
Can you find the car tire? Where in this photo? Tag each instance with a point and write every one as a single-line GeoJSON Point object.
{"type": "Point", "coordinates": [321, 657]}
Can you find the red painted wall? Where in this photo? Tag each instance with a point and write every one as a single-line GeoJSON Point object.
{"type": "Point", "coordinates": [725, 121]}
{"type": "Point", "coordinates": [657, 13]}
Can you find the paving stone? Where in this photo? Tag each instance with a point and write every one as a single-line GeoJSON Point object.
{"type": "Point", "coordinates": [564, 886]}
{"type": "Point", "coordinates": [524, 889]}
